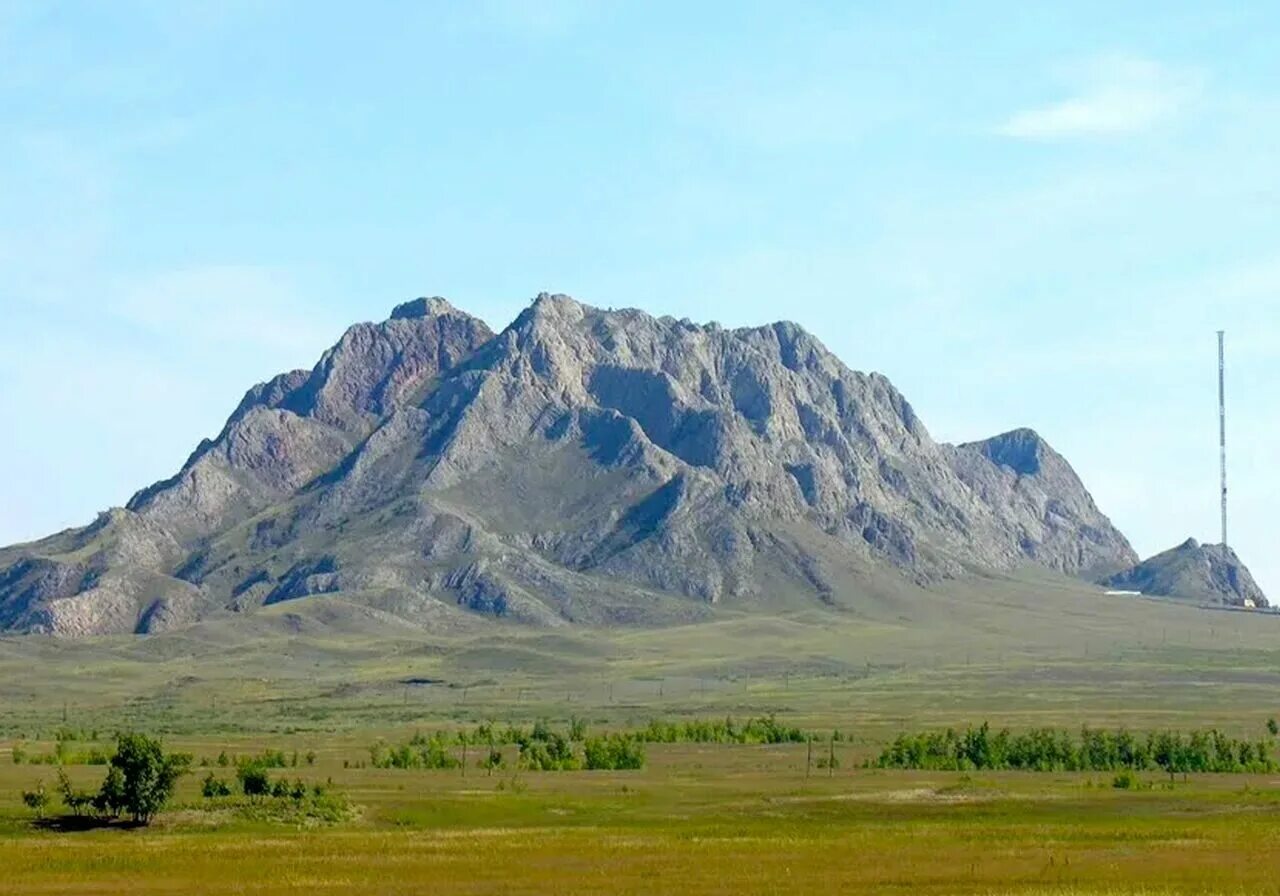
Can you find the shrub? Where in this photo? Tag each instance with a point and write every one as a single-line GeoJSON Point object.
{"type": "Point", "coordinates": [552, 754]}
{"type": "Point", "coordinates": [493, 761]}
{"type": "Point", "coordinates": [254, 781]}
{"type": "Point", "coordinates": [268, 759]}
{"type": "Point", "coordinates": [299, 791]}
{"type": "Point", "coordinates": [426, 752]}
{"type": "Point", "coordinates": [36, 800]}
{"type": "Point", "coordinates": [212, 787]}
{"type": "Point", "coordinates": [614, 752]}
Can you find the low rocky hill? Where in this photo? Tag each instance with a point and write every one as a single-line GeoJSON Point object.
{"type": "Point", "coordinates": [1204, 573]}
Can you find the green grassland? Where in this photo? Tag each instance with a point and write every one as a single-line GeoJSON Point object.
{"type": "Point", "coordinates": [322, 675]}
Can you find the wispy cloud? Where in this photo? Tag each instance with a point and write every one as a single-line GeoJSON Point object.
{"type": "Point", "coordinates": [1117, 96]}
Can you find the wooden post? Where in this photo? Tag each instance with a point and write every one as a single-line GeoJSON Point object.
{"type": "Point", "coordinates": [808, 759]}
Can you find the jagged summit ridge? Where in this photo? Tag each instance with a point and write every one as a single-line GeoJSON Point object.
{"type": "Point", "coordinates": [581, 465]}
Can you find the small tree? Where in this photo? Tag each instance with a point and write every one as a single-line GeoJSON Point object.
{"type": "Point", "coordinates": [111, 801]}
{"type": "Point", "coordinates": [76, 801]}
{"type": "Point", "coordinates": [36, 800]}
{"type": "Point", "coordinates": [1273, 728]}
{"type": "Point", "coordinates": [147, 775]}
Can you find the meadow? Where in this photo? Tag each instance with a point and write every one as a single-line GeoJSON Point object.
{"type": "Point", "coordinates": [713, 818]}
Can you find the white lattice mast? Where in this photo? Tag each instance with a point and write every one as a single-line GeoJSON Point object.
{"type": "Point", "coordinates": [1222, 428]}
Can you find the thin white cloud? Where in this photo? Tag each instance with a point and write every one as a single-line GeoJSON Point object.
{"type": "Point", "coordinates": [1117, 96]}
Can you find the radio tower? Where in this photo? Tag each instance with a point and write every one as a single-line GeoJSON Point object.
{"type": "Point", "coordinates": [1222, 429]}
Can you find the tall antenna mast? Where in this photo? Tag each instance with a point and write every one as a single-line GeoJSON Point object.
{"type": "Point", "coordinates": [1222, 428]}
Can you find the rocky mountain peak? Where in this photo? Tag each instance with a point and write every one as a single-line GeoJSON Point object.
{"type": "Point", "coordinates": [1020, 450]}
{"type": "Point", "coordinates": [423, 307]}
{"type": "Point", "coordinates": [582, 465]}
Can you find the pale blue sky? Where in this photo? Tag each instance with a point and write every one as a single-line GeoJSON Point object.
{"type": "Point", "coordinates": [1022, 215]}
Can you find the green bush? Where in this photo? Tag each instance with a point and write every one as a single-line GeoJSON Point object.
{"type": "Point", "coordinates": [36, 800]}
{"type": "Point", "coordinates": [614, 752]}
{"type": "Point", "coordinates": [551, 753]}
{"type": "Point", "coordinates": [212, 787]}
{"type": "Point", "coordinates": [422, 752]}
{"type": "Point", "coordinates": [254, 780]}
{"type": "Point", "coordinates": [493, 760]}
{"type": "Point", "coordinates": [1126, 780]}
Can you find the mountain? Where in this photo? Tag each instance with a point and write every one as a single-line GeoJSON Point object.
{"type": "Point", "coordinates": [582, 465]}
{"type": "Point", "coordinates": [1205, 573]}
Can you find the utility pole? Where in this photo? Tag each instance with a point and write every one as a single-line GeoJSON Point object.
{"type": "Point", "coordinates": [1222, 429]}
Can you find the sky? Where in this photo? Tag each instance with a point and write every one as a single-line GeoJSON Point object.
{"type": "Point", "coordinates": [1024, 214]}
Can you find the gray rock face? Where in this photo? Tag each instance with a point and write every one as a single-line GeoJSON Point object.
{"type": "Point", "coordinates": [582, 465]}
{"type": "Point", "coordinates": [1034, 489]}
{"type": "Point", "coordinates": [1205, 573]}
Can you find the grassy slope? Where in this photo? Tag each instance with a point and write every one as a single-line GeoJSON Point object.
{"type": "Point", "coordinates": [1018, 651]}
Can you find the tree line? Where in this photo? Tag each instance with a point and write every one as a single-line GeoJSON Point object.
{"type": "Point", "coordinates": [1052, 750]}
{"type": "Point", "coordinates": [539, 748]}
